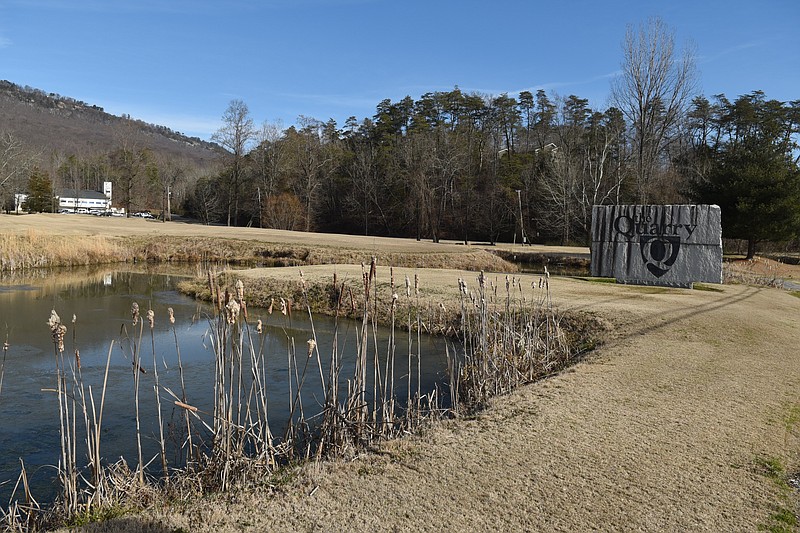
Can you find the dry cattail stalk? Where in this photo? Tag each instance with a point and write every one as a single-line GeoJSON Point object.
{"type": "Point", "coordinates": [283, 306]}
{"type": "Point", "coordinates": [239, 290]}
{"type": "Point", "coordinates": [232, 311]}
{"type": "Point", "coordinates": [151, 318]}
{"type": "Point", "coordinates": [271, 305]}
{"type": "Point", "coordinates": [259, 327]}
{"type": "Point", "coordinates": [135, 313]}
{"type": "Point", "coordinates": [77, 359]}
{"type": "Point", "coordinates": [408, 287]}
{"type": "Point", "coordinates": [311, 345]}
{"type": "Point", "coordinates": [58, 330]}
{"type": "Point", "coordinates": [171, 315]}
{"type": "Point", "coordinates": [186, 406]}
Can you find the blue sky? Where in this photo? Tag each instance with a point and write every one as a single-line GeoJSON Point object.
{"type": "Point", "coordinates": [179, 63]}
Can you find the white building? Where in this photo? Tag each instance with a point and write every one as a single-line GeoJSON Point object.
{"type": "Point", "coordinates": [19, 199]}
{"type": "Point", "coordinates": [86, 201]}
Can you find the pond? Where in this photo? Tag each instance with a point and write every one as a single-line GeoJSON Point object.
{"type": "Point", "coordinates": [100, 302]}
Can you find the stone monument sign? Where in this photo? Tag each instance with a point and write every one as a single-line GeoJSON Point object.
{"type": "Point", "coordinates": [668, 245]}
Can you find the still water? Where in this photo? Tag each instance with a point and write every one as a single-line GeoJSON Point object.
{"type": "Point", "coordinates": [100, 302]}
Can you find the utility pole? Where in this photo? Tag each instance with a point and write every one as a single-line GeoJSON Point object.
{"type": "Point", "coordinates": [521, 225]}
{"type": "Point", "coordinates": [168, 214]}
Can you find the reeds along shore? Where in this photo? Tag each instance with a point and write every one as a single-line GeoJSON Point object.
{"type": "Point", "coordinates": [505, 334]}
{"type": "Point", "coordinates": [39, 249]}
{"type": "Point", "coordinates": [36, 249]}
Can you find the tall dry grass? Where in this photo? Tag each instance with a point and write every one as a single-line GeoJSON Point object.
{"type": "Point", "coordinates": [36, 249]}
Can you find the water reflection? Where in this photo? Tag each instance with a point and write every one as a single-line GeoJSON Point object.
{"type": "Point", "coordinates": [100, 304]}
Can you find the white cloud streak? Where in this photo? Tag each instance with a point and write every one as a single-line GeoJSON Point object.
{"type": "Point", "coordinates": [728, 51]}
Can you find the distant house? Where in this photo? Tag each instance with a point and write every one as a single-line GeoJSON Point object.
{"type": "Point", "coordinates": [19, 200]}
{"type": "Point", "coordinates": [90, 201]}
{"type": "Point", "coordinates": [549, 148]}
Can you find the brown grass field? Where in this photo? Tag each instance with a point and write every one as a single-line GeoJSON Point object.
{"type": "Point", "coordinates": [686, 418]}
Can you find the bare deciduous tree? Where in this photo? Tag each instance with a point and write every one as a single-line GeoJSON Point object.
{"type": "Point", "coordinates": [235, 135]}
{"type": "Point", "coordinates": [309, 159]}
{"type": "Point", "coordinates": [653, 92]}
{"type": "Point", "coordinates": [14, 164]}
{"type": "Point", "coordinates": [268, 161]}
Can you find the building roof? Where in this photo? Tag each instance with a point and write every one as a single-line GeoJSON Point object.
{"type": "Point", "coordinates": [73, 193]}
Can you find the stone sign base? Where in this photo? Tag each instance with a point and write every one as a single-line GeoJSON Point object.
{"type": "Point", "coordinates": [664, 245]}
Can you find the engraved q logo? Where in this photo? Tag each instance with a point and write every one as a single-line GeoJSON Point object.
{"type": "Point", "coordinates": [659, 252]}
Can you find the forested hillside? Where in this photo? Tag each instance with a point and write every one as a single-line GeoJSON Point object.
{"type": "Point", "coordinates": [51, 122]}
{"type": "Point", "coordinates": [63, 142]}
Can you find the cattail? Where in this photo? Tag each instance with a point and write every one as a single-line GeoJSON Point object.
{"type": "Point", "coordinates": [54, 320]}
{"type": "Point", "coordinates": [74, 318]}
{"type": "Point", "coordinates": [283, 306]}
{"type": "Point", "coordinates": [232, 311]}
{"type": "Point", "coordinates": [408, 287]}
{"type": "Point", "coordinates": [259, 327]}
{"type": "Point", "coordinates": [239, 290]}
{"type": "Point", "coordinates": [58, 330]}
{"type": "Point", "coordinates": [135, 313]}
{"type": "Point", "coordinates": [311, 345]}
{"type": "Point", "coordinates": [186, 406]}
{"type": "Point", "coordinates": [462, 287]}
{"type": "Point", "coordinates": [171, 315]}
{"type": "Point", "coordinates": [151, 318]}
{"type": "Point", "coordinates": [394, 300]}
{"type": "Point", "coordinates": [78, 358]}
{"type": "Point", "coordinates": [416, 284]}
{"type": "Point", "coordinates": [271, 305]}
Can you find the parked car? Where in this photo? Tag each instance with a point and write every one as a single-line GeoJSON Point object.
{"type": "Point", "coordinates": [144, 214]}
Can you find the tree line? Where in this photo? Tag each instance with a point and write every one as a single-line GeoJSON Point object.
{"type": "Point", "coordinates": [475, 167]}
{"type": "Point", "coordinates": [468, 166]}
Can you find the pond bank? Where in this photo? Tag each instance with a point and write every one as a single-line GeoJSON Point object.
{"type": "Point", "coordinates": [41, 240]}
{"type": "Point", "coordinates": [682, 421]}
